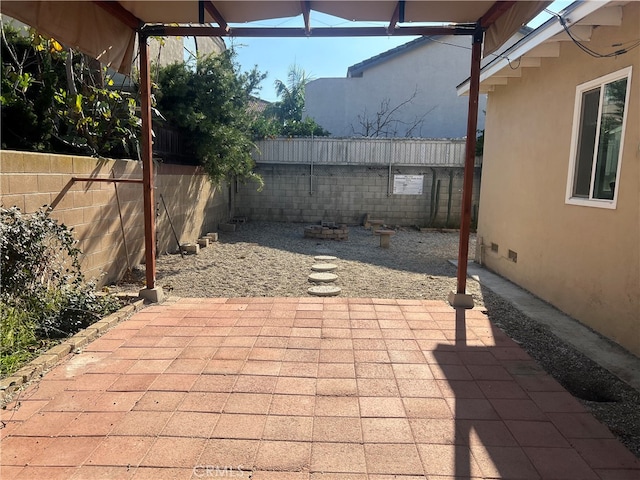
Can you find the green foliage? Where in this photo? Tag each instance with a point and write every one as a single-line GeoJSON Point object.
{"type": "Point", "coordinates": [209, 105]}
{"type": "Point", "coordinates": [284, 117]}
{"type": "Point", "coordinates": [57, 100]}
{"type": "Point", "coordinates": [43, 294]}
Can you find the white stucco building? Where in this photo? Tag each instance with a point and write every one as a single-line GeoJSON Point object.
{"type": "Point", "coordinates": [418, 79]}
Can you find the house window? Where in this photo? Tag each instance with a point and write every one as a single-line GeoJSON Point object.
{"type": "Point", "coordinates": [598, 136]}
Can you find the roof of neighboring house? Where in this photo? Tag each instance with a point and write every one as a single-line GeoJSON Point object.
{"type": "Point", "coordinates": [580, 18]}
{"type": "Point", "coordinates": [358, 69]}
{"type": "Point", "coordinates": [257, 105]}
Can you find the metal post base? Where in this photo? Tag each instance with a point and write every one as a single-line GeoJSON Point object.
{"type": "Point", "coordinates": [460, 300]}
{"type": "Point", "coordinates": [153, 295]}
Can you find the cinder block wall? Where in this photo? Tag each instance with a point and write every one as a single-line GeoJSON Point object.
{"type": "Point", "coordinates": [344, 194]}
{"type": "Point", "coordinates": [31, 180]}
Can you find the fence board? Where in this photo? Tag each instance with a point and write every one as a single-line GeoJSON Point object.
{"type": "Point", "coordinates": [361, 151]}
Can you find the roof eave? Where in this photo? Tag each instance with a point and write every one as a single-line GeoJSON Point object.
{"type": "Point", "coordinates": [543, 33]}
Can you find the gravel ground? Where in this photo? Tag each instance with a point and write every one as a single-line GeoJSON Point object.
{"type": "Point", "coordinates": [274, 259]}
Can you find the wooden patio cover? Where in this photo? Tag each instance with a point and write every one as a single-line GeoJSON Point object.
{"type": "Point", "coordinates": [107, 30]}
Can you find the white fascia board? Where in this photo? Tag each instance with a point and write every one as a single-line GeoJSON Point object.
{"type": "Point", "coordinates": [540, 35]}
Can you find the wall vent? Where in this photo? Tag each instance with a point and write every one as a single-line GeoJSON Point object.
{"type": "Point", "coordinates": [513, 256]}
{"type": "Point", "coordinates": [494, 247]}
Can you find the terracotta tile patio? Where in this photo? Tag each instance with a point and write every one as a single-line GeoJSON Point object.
{"type": "Point", "coordinates": [304, 389]}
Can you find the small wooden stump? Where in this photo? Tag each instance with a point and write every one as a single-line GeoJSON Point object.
{"type": "Point", "coordinates": [385, 237]}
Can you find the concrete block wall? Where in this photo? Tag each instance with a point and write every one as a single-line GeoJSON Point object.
{"type": "Point", "coordinates": [344, 194]}
{"type": "Point", "coordinates": [32, 180]}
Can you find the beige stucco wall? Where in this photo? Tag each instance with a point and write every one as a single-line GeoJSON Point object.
{"type": "Point", "coordinates": [31, 180]}
{"type": "Point", "coordinates": [584, 260]}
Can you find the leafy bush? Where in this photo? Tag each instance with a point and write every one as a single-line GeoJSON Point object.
{"type": "Point", "coordinates": [208, 104]}
{"type": "Point", "coordinates": [59, 100]}
{"type": "Point", "coordinates": [43, 293]}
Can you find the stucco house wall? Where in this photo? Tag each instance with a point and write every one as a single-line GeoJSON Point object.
{"type": "Point", "coordinates": [583, 260]}
{"type": "Point", "coordinates": [432, 69]}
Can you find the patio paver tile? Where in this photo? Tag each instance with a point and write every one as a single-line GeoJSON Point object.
{"type": "Point", "coordinates": [66, 451]}
{"type": "Point", "coordinates": [257, 403]}
{"type": "Point", "coordinates": [560, 463]}
{"type": "Point", "coordinates": [504, 462]}
{"type": "Point", "coordinates": [47, 424]}
{"type": "Point", "coordinates": [536, 434]}
{"type": "Point", "coordinates": [153, 473]}
{"type": "Point", "coordinates": [285, 456]}
{"type": "Point", "coordinates": [302, 405]}
{"type": "Point", "coordinates": [120, 450]}
{"type": "Point", "coordinates": [18, 451]}
{"type": "Point", "coordinates": [393, 459]}
{"type": "Point", "coordinates": [341, 406]}
{"type": "Point", "coordinates": [174, 452]}
{"type": "Point", "coordinates": [159, 401]}
{"type": "Point", "coordinates": [93, 424]}
{"type": "Point", "coordinates": [31, 472]}
{"type": "Point", "coordinates": [377, 387]}
{"type": "Point", "coordinates": [381, 407]}
{"type": "Point", "coordinates": [448, 461]}
{"type": "Point", "coordinates": [337, 429]}
{"type": "Point", "coordinates": [296, 386]}
{"type": "Point", "coordinates": [605, 453]}
{"type": "Point", "coordinates": [232, 455]}
{"type": "Point", "coordinates": [190, 424]}
{"type": "Point", "coordinates": [203, 402]}
{"type": "Point", "coordinates": [336, 370]}
{"type": "Point", "coordinates": [337, 387]}
{"type": "Point", "coordinates": [293, 428]}
{"type": "Point", "coordinates": [141, 423]}
{"type": "Point", "coordinates": [235, 425]}
{"type": "Point", "coordinates": [386, 430]}
{"type": "Point", "coordinates": [338, 457]}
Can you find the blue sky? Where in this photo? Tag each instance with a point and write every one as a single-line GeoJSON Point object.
{"type": "Point", "coordinates": [319, 57]}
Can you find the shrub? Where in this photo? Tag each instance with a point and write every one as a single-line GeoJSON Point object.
{"type": "Point", "coordinates": [43, 293]}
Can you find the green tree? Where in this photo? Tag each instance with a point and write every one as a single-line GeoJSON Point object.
{"type": "Point", "coordinates": [284, 117]}
{"type": "Point", "coordinates": [209, 105]}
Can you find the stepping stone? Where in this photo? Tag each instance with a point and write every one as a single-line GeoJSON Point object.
{"type": "Point", "coordinates": [323, 277]}
{"type": "Point", "coordinates": [324, 291]}
{"type": "Point", "coordinates": [324, 258]}
{"type": "Point", "coordinates": [324, 267]}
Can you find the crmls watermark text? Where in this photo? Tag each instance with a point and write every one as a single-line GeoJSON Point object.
{"type": "Point", "coordinates": [220, 471]}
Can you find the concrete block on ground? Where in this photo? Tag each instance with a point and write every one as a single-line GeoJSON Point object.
{"type": "Point", "coordinates": [212, 236]}
{"type": "Point", "coordinates": [190, 248]}
{"type": "Point", "coordinates": [203, 242]}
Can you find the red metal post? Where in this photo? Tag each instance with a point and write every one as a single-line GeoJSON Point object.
{"type": "Point", "coordinates": [147, 164]}
{"type": "Point", "coordinates": [469, 161]}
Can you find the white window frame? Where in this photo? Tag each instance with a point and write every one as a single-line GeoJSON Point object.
{"type": "Point", "coordinates": [580, 89]}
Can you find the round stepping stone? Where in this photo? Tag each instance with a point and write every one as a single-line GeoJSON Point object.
{"type": "Point", "coordinates": [324, 258]}
{"type": "Point", "coordinates": [324, 267]}
{"type": "Point", "coordinates": [323, 277]}
{"type": "Point", "coordinates": [324, 291]}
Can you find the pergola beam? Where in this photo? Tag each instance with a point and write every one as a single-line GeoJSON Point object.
{"type": "Point", "coordinates": [122, 14]}
{"type": "Point", "coordinates": [216, 15]}
{"type": "Point", "coordinates": [496, 11]}
{"type": "Point", "coordinates": [397, 17]}
{"type": "Point", "coordinates": [306, 15]}
{"type": "Point", "coordinates": [204, 31]}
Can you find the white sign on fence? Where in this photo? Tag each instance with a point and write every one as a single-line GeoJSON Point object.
{"type": "Point", "coordinates": [407, 184]}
